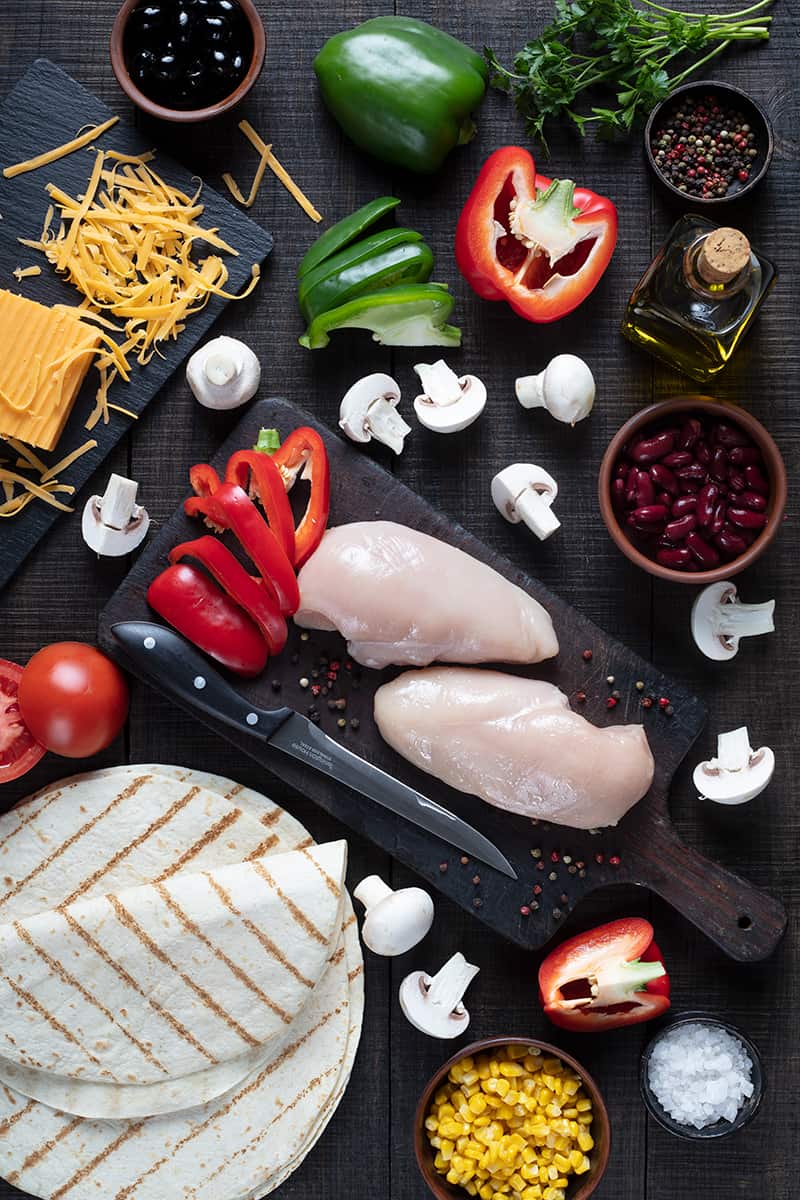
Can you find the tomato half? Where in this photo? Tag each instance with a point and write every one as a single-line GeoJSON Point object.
{"type": "Point", "coordinates": [74, 699]}
{"type": "Point", "coordinates": [19, 749]}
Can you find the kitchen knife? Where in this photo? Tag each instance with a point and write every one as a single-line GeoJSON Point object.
{"type": "Point", "coordinates": [167, 660]}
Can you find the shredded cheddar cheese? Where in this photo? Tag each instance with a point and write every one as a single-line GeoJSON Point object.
{"type": "Point", "coordinates": [21, 273]}
{"type": "Point", "coordinates": [268, 159]}
{"type": "Point", "coordinates": [49, 156]}
{"type": "Point", "coordinates": [20, 490]}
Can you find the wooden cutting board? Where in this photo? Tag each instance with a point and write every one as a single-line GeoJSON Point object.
{"type": "Point", "coordinates": [46, 109]}
{"type": "Point", "coordinates": [566, 864]}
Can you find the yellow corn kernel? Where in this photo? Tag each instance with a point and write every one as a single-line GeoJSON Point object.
{"type": "Point", "coordinates": [446, 1149]}
{"type": "Point", "coordinates": [562, 1163]}
{"type": "Point", "coordinates": [471, 1188]}
{"type": "Point", "coordinates": [446, 1110]}
{"type": "Point", "coordinates": [560, 1182]}
{"type": "Point", "coordinates": [585, 1140]}
{"type": "Point", "coordinates": [511, 1070]}
{"type": "Point", "coordinates": [486, 1192]}
{"type": "Point", "coordinates": [452, 1177]}
{"type": "Point", "coordinates": [583, 1105]}
{"type": "Point", "coordinates": [477, 1104]}
{"type": "Point", "coordinates": [584, 1167]}
{"type": "Point", "coordinates": [516, 1051]}
{"type": "Point", "coordinates": [533, 1059]}
{"type": "Point", "coordinates": [452, 1129]}
{"type": "Point", "coordinates": [494, 1068]}
{"type": "Point", "coordinates": [502, 1086]}
{"type": "Point", "coordinates": [571, 1086]}
{"type": "Point", "coordinates": [481, 1122]}
{"type": "Point", "coordinates": [570, 1112]}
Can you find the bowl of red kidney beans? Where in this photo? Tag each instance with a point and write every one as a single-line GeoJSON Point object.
{"type": "Point", "coordinates": [692, 489]}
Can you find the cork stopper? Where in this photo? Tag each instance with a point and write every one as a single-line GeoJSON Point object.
{"type": "Point", "coordinates": [723, 255]}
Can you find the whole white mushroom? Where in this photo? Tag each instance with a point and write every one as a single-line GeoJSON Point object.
{"type": "Point", "coordinates": [566, 388]}
{"type": "Point", "coordinates": [394, 921]}
{"type": "Point", "coordinates": [223, 374]}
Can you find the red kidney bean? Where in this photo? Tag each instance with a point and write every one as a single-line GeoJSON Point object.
{"type": "Point", "coordinates": [618, 493]}
{"type": "Point", "coordinates": [753, 500]}
{"type": "Point", "coordinates": [648, 450]}
{"type": "Point", "coordinates": [677, 530]}
{"type": "Point", "coordinates": [678, 458]}
{"type": "Point", "coordinates": [745, 456]}
{"type": "Point", "coordinates": [706, 503]}
{"type": "Point", "coordinates": [664, 498]}
{"type": "Point", "coordinates": [650, 514]}
{"type": "Point", "coordinates": [729, 435]}
{"type": "Point", "coordinates": [736, 480]}
{"type": "Point", "coordinates": [745, 518]}
{"type": "Point", "coordinates": [719, 464]}
{"type": "Point", "coordinates": [621, 470]}
{"type": "Point", "coordinates": [702, 452]}
{"type": "Point", "coordinates": [718, 519]}
{"type": "Point", "coordinates": [695, 475]}
{"type": "Point", "coordinates": [690, 432]}
{"type": "Point", "coordinates": [730, 542]}
{"type": "Point", "coordinates": [645, 492]}
{"type": "Point", "coordinates": [756, 480]}
{"type": "Point", "coordinates": [683, 505]}
{"type": "Point", "coordinates": [631, 485]}
{"type": "Point", "coordinates": [663, 478]}
{"type": "Point", "coordinates": [705, 554]}
{"type": "Point", "coordinates": [677, 557]}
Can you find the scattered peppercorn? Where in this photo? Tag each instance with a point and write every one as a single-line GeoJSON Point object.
{"type": "Point", "coordinates": [663, 702]}
{"type": "Point", "coordinates": [355, 723]}
{"type": "Point", "coordinates": [524, 910]}
{"type": "Point", "coordinates": [464, 860]}
{"type": "Point", "coordinates": [581, 874]}
{"type": "Point", "coordinates": [313, 715]}
{"type": "Point", "coordinates": [536, 853]}
{"type": "Point", "coordinates": [615, 695]}
{"type": "Point", "coordinates": [341, 723]}
{"type": "Point", "coordinates": [572, 869]}
{"type": "Point", "coordinates": [563, 897]}
{"type": "Point", "coordinates": [534, 905]}
{"type": "Point", "coordinates": [537, 889]}
{"type": "Point", "coordinates": [554, 856]}
{"type": "Point", "coordinates": [647, 701]}
{"type": "Point", "coordinates": [580, 697]}
{"type": "Point", "coordinates": [703, 147]}
{"type": "Point", "coordinates": [476, 880]}
{"type": "Point", "coordinates": [341, 704]}
{"type": "Point", "coordinates": [611, 702]}
{"type": "Point", "coordinates": [599, 858]}
{"type": "Point", "coordinates": [276, 685]}
{"type": "Point", "coordinates": [304, 636]}
{"type": "Point", "coordinates": [609, 679]}
{"type": "Point", "coordinates": [553, 875]}
{"type": "Point", "coordinates": [540, 865]}
{"type": "Point", "coordinates": [640, 685]}
{"type": "Point", "coordinates": [477, 902]}
{"type": "Point", "coordinates": [567, 859]}
{"type": "Point", "coordinates": [443, 868]}
{"type": "Point", "coordinates": [587, 656]}
{"type": "Point", "coordinates": [669, 710]}
{"type": "Point", "coordinates": [557, 914]}
{"type": "Point", "coordinates": [315, 689]}
{"type": "Point", "coordinates": [580, 865]}
{"type": "Point", "coordinates": [304, 683]}
{"type": "Point", "coordinates": [615, 860]}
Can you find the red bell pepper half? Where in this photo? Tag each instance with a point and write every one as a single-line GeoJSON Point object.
{"type": "Point", "coordinates": [606, 978]}
{"type": "Point", "coordinates": [303, 454]}
{"type": "Point", "coordinates": [229, 507]}
{"type": "Point", "coordinates": [257, 597]}
{"type": "Point", "coordinates": [540, 244]}
{"type": "Point", "coordinates": [194, 605]}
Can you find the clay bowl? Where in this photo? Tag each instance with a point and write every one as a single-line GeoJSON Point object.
{"type": "Point", "coordinates": [581, 1186]}
{"type": "Point", "coordinates": [707, 409]}
{"type": "Point", "coordinates": [755, 115]}
{"type": "Point", "coordinates": [182, 115]}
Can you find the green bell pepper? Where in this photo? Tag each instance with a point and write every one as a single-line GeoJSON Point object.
{"type": "Point", "coordinates": [402, 89]}
{"type": "Point", "coordinates": [344, 232]}
{"type": "Point", "coordinates": [407, 315]}
{"type": "Point", "coordinates": [372, 258]}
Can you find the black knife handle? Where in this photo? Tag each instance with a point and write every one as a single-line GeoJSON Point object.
{"type": "Point", "coordinates": [176, 667]}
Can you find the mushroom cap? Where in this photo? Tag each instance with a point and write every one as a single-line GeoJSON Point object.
{"type": "Point", "coordinates": [367, 411]}
{"type": "Point", "coordinates": [233, 389]}
{"type": "Point", "coordinates": [430, 1018]}
{"type": "Point", "coordinates": [451, 403]}
{"type": "Point", "coordinates": [398, 922]}
{"type": "Point", "coordinates": [525, 492]}
{"type": "Point", "coordinates": [735, 787]}
{"type": "Point", "coordinates": [703, 632]}
{"type": "Point", "coordinates": [569, 388]}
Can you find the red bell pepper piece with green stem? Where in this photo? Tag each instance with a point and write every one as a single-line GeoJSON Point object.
{"type": "Point", "coordinates": [606, 978]}
{"type": "Point", "coordinates": [194, 605]}
{"type": "Point", "coordinates": [540, 244]}
{"type": "Point", "coordinates": [257, 473]}
{"type": "Point", "coordinates": [229, 507]}
{"type": "Point", "coordinates": [256, 596]}
{"type": "Point", "coordinates": [303, 454]}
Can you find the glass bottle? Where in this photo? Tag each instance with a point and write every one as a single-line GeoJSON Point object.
{"type": "Point", "coordinates": [698, 297]}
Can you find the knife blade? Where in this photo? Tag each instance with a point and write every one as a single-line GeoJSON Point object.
{"type": "Point", "coordinates": [167, 660]}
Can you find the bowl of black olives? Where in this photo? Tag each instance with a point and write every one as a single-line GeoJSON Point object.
{"type": "Point", "coordinates": [187, 60]}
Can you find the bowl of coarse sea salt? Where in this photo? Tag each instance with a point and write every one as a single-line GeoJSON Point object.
{"type": "Point", "coordinates": [701, 1078]}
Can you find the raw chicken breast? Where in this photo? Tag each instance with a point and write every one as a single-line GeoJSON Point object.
{"type": "Point", "coordinates": [515, 743]}
{"type": "Point", "coordinates": [402, 597]}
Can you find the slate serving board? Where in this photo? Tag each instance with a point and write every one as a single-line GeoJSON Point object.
{"type": "Point", "coordinates": [643, 849]}
{"type": "Point", "coordinates": [46, 109]}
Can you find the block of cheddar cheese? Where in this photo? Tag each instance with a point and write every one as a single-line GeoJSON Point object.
{"type": "Point", "coordinates": [44, 356]}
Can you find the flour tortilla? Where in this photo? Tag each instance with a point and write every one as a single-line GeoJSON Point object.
{"type": "Point", "coordinates": [215, 963]}
{"type": "Point", "coordinates": [312, 1105]}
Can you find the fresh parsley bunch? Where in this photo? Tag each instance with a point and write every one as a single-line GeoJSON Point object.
{"type": "Point", "coordinates": [612, 44]}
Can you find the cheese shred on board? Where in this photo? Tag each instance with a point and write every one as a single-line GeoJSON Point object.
{"type": "Point", "coordinates": [49, 156]}
{"type": "Point", "coordinates": [18, 490]}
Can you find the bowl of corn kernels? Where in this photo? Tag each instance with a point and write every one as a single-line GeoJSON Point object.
{"type": "Point", "coordinates": [512, 1119]}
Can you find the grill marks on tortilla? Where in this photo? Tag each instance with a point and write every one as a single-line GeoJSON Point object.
{"type": "Point", "coordinates": [11, 1121]}
{"type": "Point", "coordinates": [192, 928]}
{"type": "Point", "coordinates": [51, 1020]}
{"type": "Point", "coordinates": [330, 884]}
{"type": "Point", "coordinates": [42, 1151]}
{"type": "Point", "coordinates": [305, 923]}
{"type": "Point", "coordinates": [66, 977]}
{"type": "Point", "coordinates": [26, 814]}
{"type": "Point", "coordinates": [127, 978]}
{"type": "Point", "coordinates": [211, 835]}
{"type": "Point", "coordinates": [88, 1168]}
{"type": "Point", "coordinates": [130, 922]}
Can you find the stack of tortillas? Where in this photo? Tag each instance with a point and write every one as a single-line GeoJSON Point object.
{"type": "Point", "coordinates": [181, 988]}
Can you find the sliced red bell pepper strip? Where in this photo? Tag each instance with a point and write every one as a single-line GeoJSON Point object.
{"type": "Point", "coordinates": [229, 507]}
{"type": "Point", "coordinates": [304, 451]}
{"type": "Point", "coordinates": [204, 479]}
{"type": "Point", "coordinates": [605, 978]}
{"type": "Point", "coordinates": [540, 244]}
{"type": "Point", "coordinates": [256, 596]}
{"type": "Point", "coordinates": [259, 476]}
{"type": "Point", "coordinates": [194, 605]}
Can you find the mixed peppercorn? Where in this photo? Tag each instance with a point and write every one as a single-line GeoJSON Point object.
{"type": "Point", "coordinates": [702, 147]}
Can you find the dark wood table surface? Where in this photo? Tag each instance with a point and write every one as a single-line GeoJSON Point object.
{"type": "Point", "coordinates": [62, 587]}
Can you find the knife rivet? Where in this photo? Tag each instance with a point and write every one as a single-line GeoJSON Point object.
{"type": "Point", "coordinates": [149, 643]}
{"type": "Point", "coordinates": [199, 682]}
{"type": "Point", "coordinates": [252, 718]}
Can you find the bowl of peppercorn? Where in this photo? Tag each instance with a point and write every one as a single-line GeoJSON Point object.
{"type": "Point", "coordinates": [709, 143]}
{"type": "Point", "coordinates": [187, 60]}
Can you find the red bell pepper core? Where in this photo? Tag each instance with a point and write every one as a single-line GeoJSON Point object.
{"type": "Point", "coordinates": [304, 452]}
{"type": "Point", "coordinates": [193, 604]}
{"type": "Point", "coordinates": [606, 978]}
{"type": "Point", "coordinates": [257, 597]}
{"type": "Point", "coordinates": [541, 244]}
{"type": "Point", "coordinates": [229, 507]}
{"type": "Point", "coordinates": [257, 473]}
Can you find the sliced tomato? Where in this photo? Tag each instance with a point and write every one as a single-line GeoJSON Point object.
{"type": "Point", "coordinates": [19, 750]}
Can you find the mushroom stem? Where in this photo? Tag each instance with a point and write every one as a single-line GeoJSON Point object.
{"type": "Point", "coordinates": [731, 618]}
{"type": "Point", "coordinates": [118, 502]}
{"type": "Point", "coordinates": [734, 750]}
{"type": "Point", "coordinates": [371, 891]}
{"type": "Point", "coordinates": [537, 513]}
{"type": "Point", "coordinates": [530, 390]}
{"type": "Point", "coordinates": [447, 987]}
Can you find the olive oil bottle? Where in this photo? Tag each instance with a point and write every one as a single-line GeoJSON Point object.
{"type": "Point", "coordinates": [698, 297]}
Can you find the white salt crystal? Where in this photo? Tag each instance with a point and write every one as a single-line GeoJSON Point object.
{"type": "Point", "coordinates": [700, 1074]}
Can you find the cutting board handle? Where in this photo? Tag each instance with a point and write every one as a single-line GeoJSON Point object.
{"type": "Point", "coordinates": [744, 921]}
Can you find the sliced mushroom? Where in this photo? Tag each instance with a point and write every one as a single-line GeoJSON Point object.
{"type": "Point", "coordinates": [448, 403]}
{"type": "Point", "coordinates": [369, 410]}
{"type": "Point", "coordinates": [738, 773]}
{"type": "Point", "coordinates": [114, 524]}
{"type": "Point", "coordinates": [394, 921]}
{"type": "Point", "coordinates": [525, 492]}
{"type": "Point", "coordinates": [223, 374]}
{"type": "Point", "coordinates": [433, 1003]}
{"type": "Point", "coordinates": [566, 388]}
{"type": "Point", "coordinates": [719, 620]}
